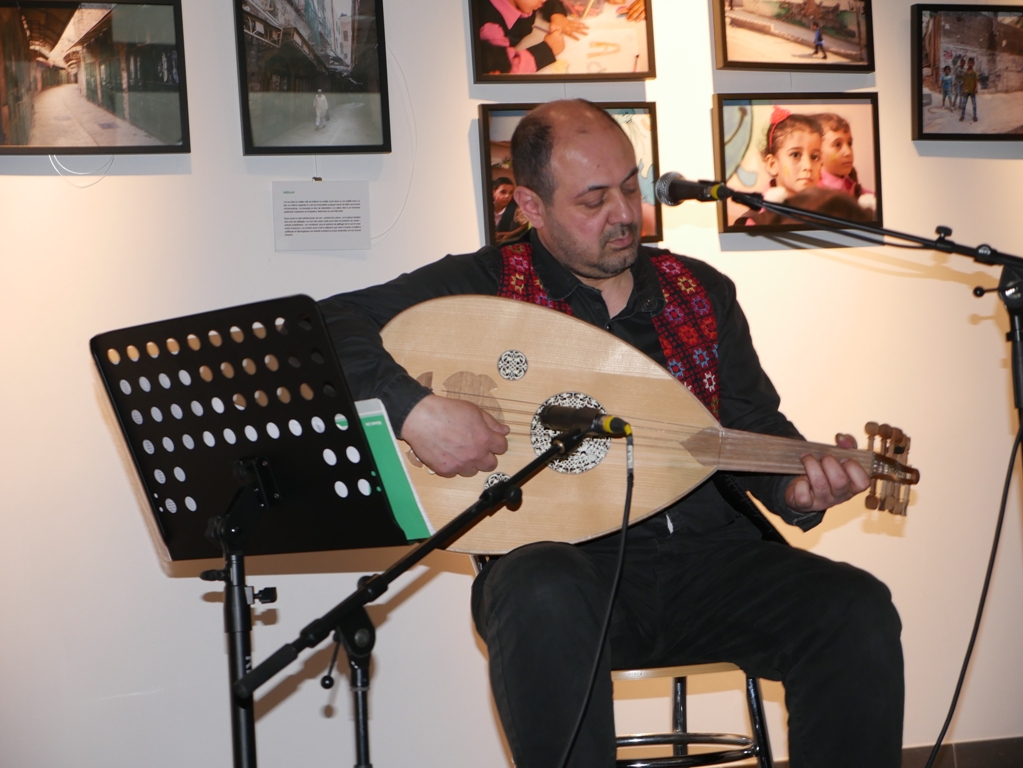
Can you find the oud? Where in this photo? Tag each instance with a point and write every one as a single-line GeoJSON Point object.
{"type": "Point", "coordinates": [512, 359]}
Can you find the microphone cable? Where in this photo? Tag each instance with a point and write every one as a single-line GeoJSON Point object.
{"type": "Point", "coordinates": [983, 598]}
{"type": "Point", "coordinates": [629, 481]}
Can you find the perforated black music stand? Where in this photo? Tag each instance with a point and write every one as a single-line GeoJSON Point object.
{"type": "Point", "coordinates": [247, 441]}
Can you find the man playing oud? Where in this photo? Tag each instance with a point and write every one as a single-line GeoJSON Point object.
{"type": "Point", "coordinates": [700, 583]}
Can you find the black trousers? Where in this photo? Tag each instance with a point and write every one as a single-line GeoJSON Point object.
{"type": "Point", "coordinates": [827, 630]}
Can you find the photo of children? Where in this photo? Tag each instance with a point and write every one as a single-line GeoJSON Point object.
{"type": "Point", "coordinates": [503, 221]}
{"type": "Point", "coordinates": [794, 35]}
{"type": "Point", "coordinates": [968, 78]}
{"type": "Point", "coordinates": [815, 152]}
{"type": "Point", "coordinates": [561, 40]}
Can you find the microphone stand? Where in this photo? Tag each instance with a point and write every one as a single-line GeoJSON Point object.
{"type": "Point", "coordinates": [349, 620]}
{"type": "Point", "coordinates": [1010, 285]}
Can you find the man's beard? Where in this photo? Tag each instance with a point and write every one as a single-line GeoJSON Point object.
{"type": "Point", "coordinates": [609, 262]}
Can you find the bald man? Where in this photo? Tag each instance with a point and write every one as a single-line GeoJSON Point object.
{"type": "Point", "coordinates": [702, 581]}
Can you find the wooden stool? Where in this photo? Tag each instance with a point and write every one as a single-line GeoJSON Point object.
{"type": "Point", "coordinates": [734, 747]}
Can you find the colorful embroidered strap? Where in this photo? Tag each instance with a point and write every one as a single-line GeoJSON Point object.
{"type": "Point", "coordinates": [520, 281]}
{"type": "Point", "coordinates": [686, 328]}
{"type": "Point", "coordinates": [688, 331]}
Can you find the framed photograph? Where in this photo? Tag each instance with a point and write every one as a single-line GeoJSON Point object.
{"type": "Point", "coordinates": [967, 72]}
{"type": "Point", "coordinates": [816, 151]}
{"type": "Point", "coordinates": [503, 220]}
{"type": "Point", "coordinates": [561, 40]}
{"type": "Point", "coordinates": [313, 76]}
{"type": "Point", "coordinates": [92, 78]}
{"type": "Point", "coordinates": [794, 35]}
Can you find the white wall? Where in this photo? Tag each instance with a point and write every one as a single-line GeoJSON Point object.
{"type": "Point", "coordinates": [109, 659]}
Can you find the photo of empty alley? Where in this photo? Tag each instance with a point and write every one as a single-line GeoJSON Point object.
{"type": "Point", "coordinates": [313, 75]}
{"type": "Point", "coordinates": [83, 77]}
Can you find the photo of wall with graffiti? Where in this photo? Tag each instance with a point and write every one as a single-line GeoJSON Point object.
{"type": "Point", "coordinates": [817, 152]}
{"type": "Point", "coordinates": [91, 78]}
{"type": "Point", "coordinates": [968, 72]}
{"type": "Point", "coordinates": [794, 35]}
{"type": "Point", "coordinates": [503, 222]}
{"type": "Point", "coordinates": [313, 76]}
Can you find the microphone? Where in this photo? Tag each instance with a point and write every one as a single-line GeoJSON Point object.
{"type": "Point", "coordinates": [673, 188]}
{"type": "Point", "coordinates": [563, 418]}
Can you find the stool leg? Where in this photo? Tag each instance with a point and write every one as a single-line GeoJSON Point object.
{"type": "Point", "coordinates": [758, 722]}
{"type": "Point", "coordinates": [678, 715]}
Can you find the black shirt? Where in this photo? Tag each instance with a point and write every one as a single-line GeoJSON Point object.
{"type": "Point", "coordinates": [748, 399]}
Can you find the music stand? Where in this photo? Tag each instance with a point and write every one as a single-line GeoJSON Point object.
{"type": "Point", "coordinates": [247, 441]}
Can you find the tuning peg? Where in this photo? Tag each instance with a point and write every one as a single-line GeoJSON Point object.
{"type": "Point", "coordinates": [871, 501]}
{"type": "Point", "coordinates": [871, 428]}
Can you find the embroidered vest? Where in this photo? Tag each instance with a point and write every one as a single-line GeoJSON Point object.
{"type": "Point", "coordinates": [686, 328]}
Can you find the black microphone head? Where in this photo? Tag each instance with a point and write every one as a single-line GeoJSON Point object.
{"type": "Point", "coordinates": [662, 190]}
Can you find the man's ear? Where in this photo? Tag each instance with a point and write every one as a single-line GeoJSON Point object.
{"type": "Point", "coordinates": [531, 205]}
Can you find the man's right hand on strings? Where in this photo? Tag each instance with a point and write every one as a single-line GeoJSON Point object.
{"type": "Point", "coordinates": [454, 437]}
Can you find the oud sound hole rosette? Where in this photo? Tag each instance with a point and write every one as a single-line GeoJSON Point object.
{"type": "Point", "coordinates": [586, 456]}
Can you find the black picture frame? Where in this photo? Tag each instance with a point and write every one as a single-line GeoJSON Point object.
{"type": "Point", "coordinates": [753, 34]}
{"type": "Point", "coordinates": [92, 79]}
{"type": "Point", "coordinates": [742, 130]}
{"type": "Point", "coordinates": [290, 54]}
{"type": "Point", "coordinates": [950, 36]}
{"type": "Point", "coordinates": [614, 48]}
{"type": "Point", "coordinates": [500, 119]}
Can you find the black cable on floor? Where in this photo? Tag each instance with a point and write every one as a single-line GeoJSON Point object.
{"type": "Point", "coordinates": [983, 598]}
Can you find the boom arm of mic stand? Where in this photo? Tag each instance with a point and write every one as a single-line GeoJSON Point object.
{"type": "Point", "coordinates": [1010, 286]}
{"type": "Point", "coordinates": [506, 493]}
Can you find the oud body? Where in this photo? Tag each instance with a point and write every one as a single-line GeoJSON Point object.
{"type": "Point", "coordinates": [512, 358]}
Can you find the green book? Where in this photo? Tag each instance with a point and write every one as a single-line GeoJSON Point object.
{"type": "Point", "coordinates": [408, 510]}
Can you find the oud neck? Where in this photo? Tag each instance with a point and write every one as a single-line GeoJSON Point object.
{"type": "Point", "coordinates": [751, 452]}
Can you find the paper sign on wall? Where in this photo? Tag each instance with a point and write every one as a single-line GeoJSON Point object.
{"type": "Point", "coordinates": [321, 215]}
